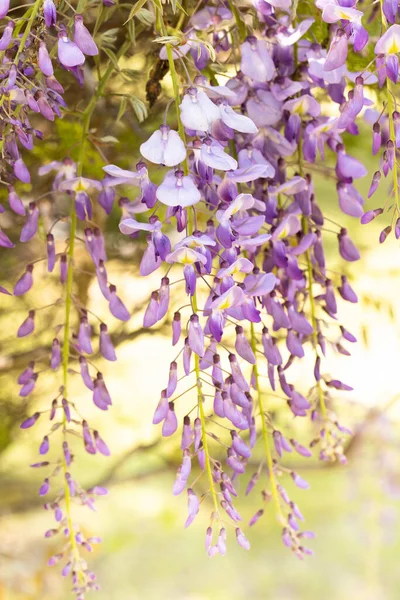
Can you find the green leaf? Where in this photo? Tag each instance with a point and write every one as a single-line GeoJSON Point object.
{"type": "Point", "coordinates": [139, 108]}
{"type": "Point", "coordinates": [358, 61]}
{"type": "Point", "coordinates": [319, 30]}
{"type": "Point", "coordinates": [146, 17]}
{"type": "Point", "coordinates": [158, 4]}
{"type": "Point", "coordinates": [210, 48]}
{"type": "Point", "coordinates": [122, 108]}
{"type": "Point", "coordinates": [109, 139]}
{"type": "Point", "coordinates": [168, 39]}
{"type": "Point", "coordinates": [112, 57]}
{"type": "Point", "coordinates": [179, 5]}
{"type": "Point", "coordinates": [132, 31]}
{"type": "Point", "coordinates": [108, 38]}
{"type": "Point", "coordinates": [131, 74]}
{"type": "Point", "coordinates": [135, 9]}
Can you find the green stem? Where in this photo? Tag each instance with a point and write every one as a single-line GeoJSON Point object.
{"type": "Point", "coordinates": [81, 6]}
{"type": "Point", "coordinates": [175, 86]}
{"type": "Point", "coordinates": [200, 401]}
{"type": "Point", "coordinates": [241, 25]}
{"type": "Point", "coordinates": [264, 429]}
{"type": "Point", "coordinates": [87, 116]}
{"type": "Point", "coordinates": [181, 130]}
{"type": "Point", "coordinates": [305, 228]}
{"type": "Point", "coordinates": [182, 16]}
{"type": "Point", "coordinates": [66, 347]}
{"type": "Point", "coordinates": [321, 398]}
{"type": "Point", "coordinates": [34, 11]}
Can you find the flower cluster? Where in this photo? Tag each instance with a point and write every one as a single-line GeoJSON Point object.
{"type": "Point", "coordinates": [239, 190]}
{"type": "Point", "coordinates": [235, 222]}
{"type": "Point", "coordinates": [29, 87]}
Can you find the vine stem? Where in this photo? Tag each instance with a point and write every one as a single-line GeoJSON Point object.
{"type": "Point", "coordinates": [321, 398]}
{"type": "Point", "coordinates": [190, 227]}
{"type": "Point", "coordinates": [68, 305]}
{"type": "Point", "coordinates": [391, 108]}
{"type": "Point", "coordinates": [175, 86]}
{"type": "Point", "coordinates": [240, 24]}
{"type": "Point", "coordinates": [33, 13]}
{"type": "Point", "coordinates": [305, 229]}
{"type": "Point", "coordinates": [87, 116]}
{"type": "Point", "coordinates": [200, 401]}
{"type": "Point", "coordinates": [265, 434]}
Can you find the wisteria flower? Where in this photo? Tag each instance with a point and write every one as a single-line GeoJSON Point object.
{"type": "Point", "coordinates": [164, 147]}
{"type": "Point", "coordinates": [389, 45]}
{"type": "Point", "coordinates": [69, 54]}
{"type": "Point", "coordinates": [178, 189]}
{"type": "Point", "coordinates": [198, 112]}
{"type": "Point", "coordinates": [256, 60]}
{"type": "Point", "coordinates": [212, 154]}
{"type": "Point", "coordinates": [83, 39]}
{"type": "Point", "coordinates": [334, 12]}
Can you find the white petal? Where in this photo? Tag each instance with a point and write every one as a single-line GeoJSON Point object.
{"type": "Point", "coordinates": [235, 121]}
{"type": "Point", "coordinates": [128, 226]}
{"type": "Point", "coordinates": [292, 186]}
{"type": "Point", "coordinates": [80, 184]}
{"type": "Point", "coordinates": [258, 240]}
{"type": "Point", "coordinates": [389, 43]}
{"type": "Point", "coordinates": [198, 112]}
{"type": "Point", "coordinates": [115, 171]}
{"type": "Point", "coordinates": [303, 105]}
{"type": "Point", "coordinates": [194, 241]}
{"type": "Point", "coordinates": [264, 284]}
{"type": "Point", "coordinates": [172, 194]}
{"type": "Point", "coordinates": [134, 208]}
{"type": "Point", "coordinates": [292, 38]}
{"type": "Point", "coordinates": [174, 150]}
{"type": "Point", "coordinates": [216, 158]}
{"type": "Point", "coordinates": [192, 115]}
{"type": "Point", "coordinates": [251, 173]}
{"type": "Point", "coordinates": [210, 109]}
{"type": "Point", "coordinates": [70, 184]}
{"type": "Point", "coordinates": [55, 165]}
{"type": "Point", "coordinates": [218, 91]}
{"type": "Point", "coordinates": [287, 88]}
{"type": "Point", "coordinates": [333, 13]}
{"type": "Point", "coordinates": [256, 61]}
{"type": "Point", "coordinates": [282, 4]}
{"type": "Point", "coordinates": [243, 265]}
{"type": "Point", "coordinates": [152, 150]}
{"type": "Point", "coordinates": [241, 202]}
{"type": "Point", "coordinates": [185, 256]}
{"type": "Point", "coordinates": [232, 297]}
{"type": "Point", "coordinates": [240, 90]}
{"type": "Point", "coordinates": [264, 109]}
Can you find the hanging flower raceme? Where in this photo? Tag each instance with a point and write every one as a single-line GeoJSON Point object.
{"type": "Point", "coordinates": [31, 87]}
{"type": "Point", "coordinates": [225, 205]}
{"type": "Point", "coordinates": [245, 246]}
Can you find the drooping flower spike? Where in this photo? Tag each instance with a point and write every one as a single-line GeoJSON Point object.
{"type": "Point", "coordinates": [225, 204]}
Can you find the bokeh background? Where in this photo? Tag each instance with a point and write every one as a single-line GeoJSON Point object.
{"type": "Point", "coordinates": [146, 553]}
